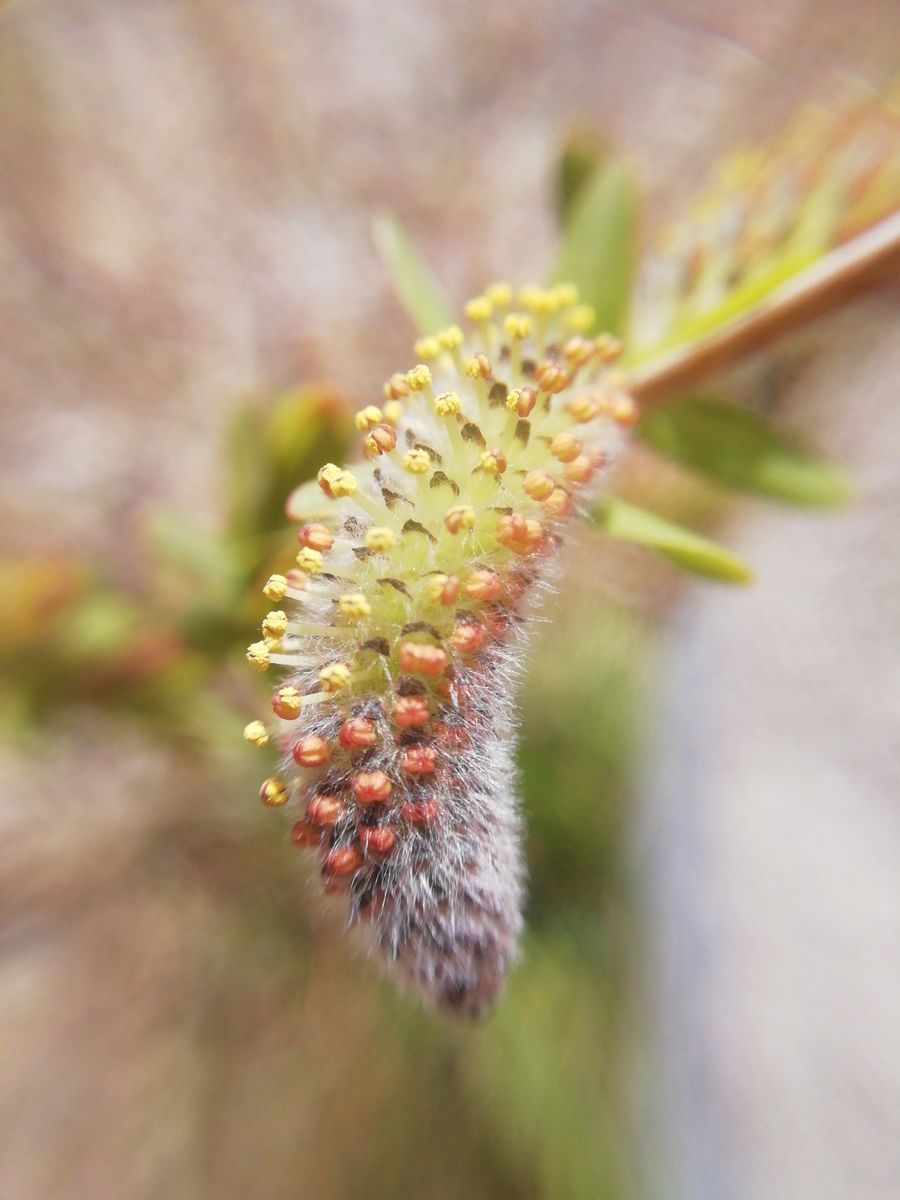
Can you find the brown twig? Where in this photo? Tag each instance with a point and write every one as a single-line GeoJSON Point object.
{"type": "Point", "coordinates": [841, 274]}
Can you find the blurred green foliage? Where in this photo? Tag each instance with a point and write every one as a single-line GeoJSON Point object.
{"type": "Point", "coordinates": [599, 246]}
{"type": "Point", "coordinates": [740, 449]}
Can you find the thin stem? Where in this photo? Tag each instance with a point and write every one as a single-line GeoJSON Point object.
{"type": "Point", "coordinates": [827, 283]}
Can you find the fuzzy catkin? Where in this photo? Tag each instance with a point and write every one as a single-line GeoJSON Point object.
{"type": "Point", "coordinates": [403, 645]}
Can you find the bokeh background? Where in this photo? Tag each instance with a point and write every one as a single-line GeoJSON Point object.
{"type": "Point", "coordinates": [191, 305]}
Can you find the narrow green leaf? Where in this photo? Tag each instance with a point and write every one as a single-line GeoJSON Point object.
{"type": "Point", "coordinates": [415, 283]}
{"type": "Point", "coordinates": [598, 249]}
{"type": "Point", "coordinates": [741, 449]}
{"type": "Point", "coordinates": [581, 157]}
{"type": "Point", "coordinates": [687, 549]}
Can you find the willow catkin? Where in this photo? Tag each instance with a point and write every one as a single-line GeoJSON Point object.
{"type": "Point", "coordinates": [402, 626]}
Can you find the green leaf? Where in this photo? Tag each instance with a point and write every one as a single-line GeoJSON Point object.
{"type": "Point", "coordinates": [681, 546]}
{"type": "Point", "coordinates": [581, 157]}
{"type": "Point", "coordinates": [739, 448]}
{"type": "Point", "coordinates": [415, 283]}
{"type": "Point", "coordinates": [276, 443]}
{"type": "Point", "coordinates": [598, 249]}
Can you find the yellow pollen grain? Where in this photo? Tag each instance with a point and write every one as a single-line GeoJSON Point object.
{"type": "Point", "coordinates": [256, 734]}
{"type": "Point", "coordinates": [396, 387]}
{"type": "Point", "coordinates": [479, 308]}
{"type": "Point", "coordinates": [608, 348]}
{"type": "Point", "coordinates": [427, 347]}
{"type": "Point", "coordinates": [434, 585]}
{"type": "Point", "coordinates": [355, 606]}
{"type": "Point", "coordinates": [275, 625]}
{"type": "Point", "coordinates": [334, 677]}
{"type": "Point", "coordinates": [450, 338]}
{"type": "Point", "coordinates": [492, 462]}
{"type": "Point", "coordinates": [566, 294]}
{"type": "Point", "coordinates": [416, 462]}
{"type": "Point", "coordinates": [499, 293]}
{"type": "Point", "coordinates": [258, 656]}
{"type": "Point", "coordinates": [367, 417]}
{"type": "Point", "coordinates": [460, 517]}
{"type": "Point", "coordinates": [447, 403]}
{"type": "Point", "coordinates": [477, 367]}
{"type": "Point", "coordinates": [517, 325]}
{"type": "Point", "coordinates": [275, 588]}
{"type": "Point", "coordinates": [530, 297]}
{"type": "Point", "coordinates": [380, 539]}
{"type": "Point", "coordinates": [419, 377]}
{"type": "Point", "coordinates": [392, 412]}
{"type": "Point", "coordinates": [336, 482]}
{"type": "Point", "coordinates": [309, 561]}
{"type": "Point", "coordinates": [274, 792]}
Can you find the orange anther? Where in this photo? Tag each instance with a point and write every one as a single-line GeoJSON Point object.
{"type": "Point", "coordinates": [371, 787]}
{"type": "Point", "coordinates": [315, 537]}
{"type": "Point", "coordinates": [419, 760]}
{"type": "Point", "coordinates": [410, 711]}
{"type": "Point", "coordinates": [357, 733]}
{"type": "Point", "coordinates": [311, 752]}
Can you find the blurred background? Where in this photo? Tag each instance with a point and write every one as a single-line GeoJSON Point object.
{"type": "Point", "coordinates": [191, 307]}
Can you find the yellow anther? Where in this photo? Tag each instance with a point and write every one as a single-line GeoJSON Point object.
{"type": "Point", "coordinates": [419, 378]}
{"type": "Point", "coordinates": [287, 702]}
{"type": "Point", "coordinates": [546, 303]}
{"type": "Point", "coordinates": [336, 482]}
{"type": "Point", "coordinates": [625, 411]}
{"type": "Point", "coordinates": [450, 338]}
{"type": "Point", "coordinates": [274, 626]}
{"type": "Point", "coordinates": [396, 387]}
{"type": "Point", "coordinates": [499, 294]}
{"type": "Point", "coordinates": [586, 407]}
{"type": "Point", "coordinates": [608, 348]}
{"type": "Point", "coordinates": [441, 588]}
{"type": "Point", "coordinates": [530, 297]}
{"type": "Point", "coordinates": [538, 485]}
{"type": "Point", "coordinates": [551, 378]}
{"type": "Point", "coordinates": [447, 403]}
{"type": "Point", "coordinates": [355, 606]}
{"type": "Point", "coordinates": [275, 588]}
{"type": "Point", "coordinates": [477, 367]}
{"type": "Point", "coordinates": [566, 294]}
{"type": "Point", "coordinates": [460, 517]}
{"type": "Point", "coordinates": [434, 586]}
{"type": "Point", "coordinates": [427, 347]}
{"type": "Point", "coordinates": [521, 401]}
{"type": "Point", "coordinates": [381, 440]}
{"type": "Point", "coordinates": [309, 561]}
{"type": "Point", "coordinates": [256, 734]}
{"type": "Point", "coordinates": [380, 539]}
{"type": "Point", "coordinates": [273, 792]}
{"type": "Point", "coordinates": [517, 325]}
{"type": "Point", "coordinates": [578, 351]}
{"type": "Point", "coordinates": [367, 417]}
{"type": "Point", "coordinates": [581, 318]}
{"type": "Point", "coordinates": [392, 411]}
{"type": "Point", "coordinates": [479, 308]}
{"type": "Point", "coordinates": [258, 656]}
{"type": "Point", "coordinates": [334, 677]}
{"type": "Point", "coordinates": [493, 461]}
{"type": "Point", "coordinates": [416, 461]}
